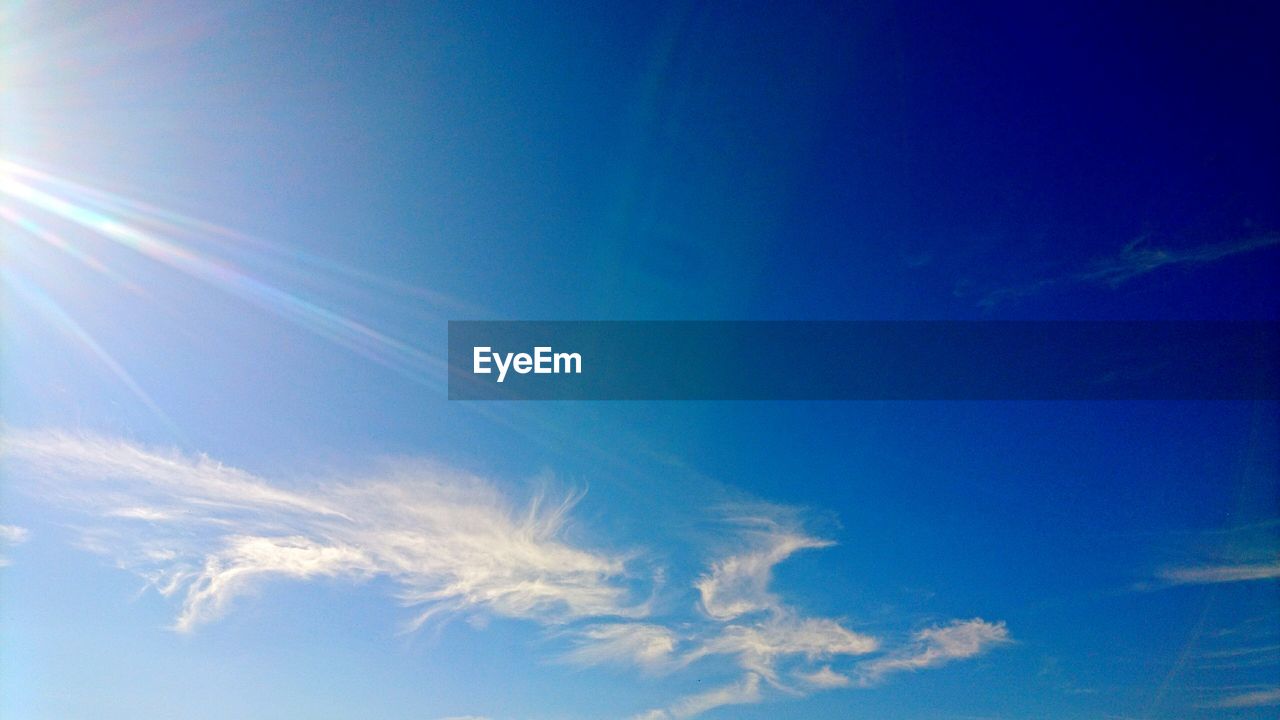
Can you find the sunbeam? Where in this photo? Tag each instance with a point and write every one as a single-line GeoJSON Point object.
{"type": "Point", "coordinates": [153, 233]}
{"type": "Point", "coordinates": [49, 309]}
{"type": "Point", "coordinates": [89, 260]}
{"type": "Point", "coordinates": [255, 250]}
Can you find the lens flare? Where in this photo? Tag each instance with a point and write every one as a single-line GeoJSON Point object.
{"type": "Point", "coordinates": [84, 257]}
{"type": "Point", "coordinates": [49, 309]}
{"type": "Point", "coordinates": [254, 250]}
{"type": "Point", "coordinates": [179, 242]}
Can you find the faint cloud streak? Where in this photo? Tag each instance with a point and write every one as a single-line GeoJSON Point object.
{"type": "Point", "coordinates": [11, 535]}
{"type": "Point", "coordinates": [1211, 574]}
{"type": "Point", "coordinates": [1257, 698]}
{"type": "Point", "coordinates": [1134, 260]}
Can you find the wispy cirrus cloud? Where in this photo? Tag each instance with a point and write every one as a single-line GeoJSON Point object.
{"type": "Point", "coordinates": [1241, 652]}
{"type": "Point", "coordinates": [779, 650]}
{"type": "Point", "coordinates": [209, 533]}
{"type": "Point", "coordinates": [1233, 554]}
{"type": "Point", "coordinates": [764, 645]}
{"type": "Point", "coordinates": [1256, 698]}
{"type": "Point", "coordinates": [1139, 258]}
{"type": "Point", "coordinates": [739, 693]}
{"type": "Point", "coordinates": [11, 535]}
{"type": "Point", "coordinates": [738, 584]}
{"type": "Point", "coordinates": [644, 645]}
{"type": "Point", "coordinates": [939, 645]}
{"type": "Point", "coordinates": [1225, 573]}
{"type": "Point", "coordinates": [1134, 260]}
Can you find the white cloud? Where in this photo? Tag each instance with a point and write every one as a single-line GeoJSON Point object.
{"type": "Point", "coordinates": [642, 644]}
{"type": "Point", "coordinates": [758, 629]}
{"type": "Point", "coordinates": [246, 560]}
{"type": "Point", "coordinates": [211, 533]}
{"type": "Point", "coordinates": [1257, 698]}
{"type": "Point", "coordinates": [772, 644]}
{"type": "Point", "coordinates": [939, 645]}
{"type": "Point", "coordinates": [746, 691]}
{"type": "Point", "coordinates": [140, 513]}
{"type": "Point", "coordinates": [825, 678]}
{"type": "Point", "coordinates": [12, 535]}
{"type": "Point", "coordinates": [759, 647]}
{"type": "Point", "coordinates": [748, 624]}
{"type": "Point", "coordinates": [1209, 574]}
{"type": "Point", "coordinates": [738, 585]}
{"type": "Point", "coordinates": [743, 692]}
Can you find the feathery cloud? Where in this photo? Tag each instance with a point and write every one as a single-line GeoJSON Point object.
{"type": "Point", "coordinates": [641, 644]}
{"type": "Point", "coordinates": [211, 533]}
{"type": "Point", "coordinates": [1257, 698]}
{"type": "Point", "coordinates": [761, 646]}
{"type": "Point", "coordinates": [1138, 258]}
{"type": "Point", "coordinates": [777, 648]}
{"type": "Point", "coordinates": [742, 692]}
{"type": "Point", "coordinates": [938, 645]}
{"type": "Point", "coordinates": [1210, 574]}
{"type": "Point", "coordinates": [738, 585]}
{"type": "Point", "coordinates": [1134, 260]}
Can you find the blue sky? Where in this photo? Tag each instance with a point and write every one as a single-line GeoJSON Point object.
{"type": "Point", "coordinates": [232, 485]}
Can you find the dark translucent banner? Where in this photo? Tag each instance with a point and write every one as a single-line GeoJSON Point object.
{"type": "Point", "coordinates": [862, 360]}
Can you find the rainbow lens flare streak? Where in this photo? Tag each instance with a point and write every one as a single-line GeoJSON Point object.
{"type": "Point", "coordinates": [175, 240]}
